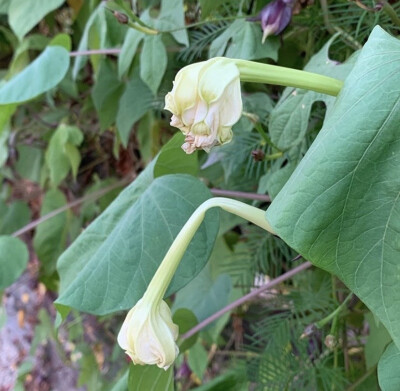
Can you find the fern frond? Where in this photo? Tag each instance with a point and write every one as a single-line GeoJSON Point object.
{"type": "Point", "coordinates": [200, 39]}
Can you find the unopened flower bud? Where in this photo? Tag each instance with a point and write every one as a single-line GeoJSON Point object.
{"type": "Point", "coordinates": [206, 102]}
{"type": "Point", "coordinates": [148, 334]}
{"type": "Point", "coordinates": [275, 16]}
{"type": "Point", "coordinates": [122, 18]}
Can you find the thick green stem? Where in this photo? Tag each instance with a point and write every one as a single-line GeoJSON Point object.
{"type": "Point", "coordinates": [163, 276]}
{"type": "Point", "coordinates": [271, 74]}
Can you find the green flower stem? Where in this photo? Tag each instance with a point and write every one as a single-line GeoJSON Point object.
{"type": "Point", "coordinates": [334, 314]}
{"type": "Point", "coordinates": [271, 74]}
{"type": "Point", "coordinates": [142, 28]}
{"type": "Point", "coordinates": [163, 276]}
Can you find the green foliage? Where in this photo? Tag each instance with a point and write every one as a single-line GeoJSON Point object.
{"type": "Point", "coordinates": [153, 62]}
{"type": "Point", "coordinates": [134, 103]}
{"type": "Point", "coordinates": [243, 40]}
{"type": "Point", "coordinates": [13, 216]}
{"type": "Point", "coordinates": [13, 260]}
{"type": "Point", "coordinates": [172, 159]}
{"type": "Point", "coordinates": [150, 377]}
{"type": "Point", "coordinates": [83, 129]}
{"type": "Point", "coordinates": [289, 119]}
{"type": "Point", "coordinates": [341, 166]}
{"type": "Point", "coordinates": [388, 374]}
{"type": "Point", "coordinates": [110, 246]}
{"type": "Point", "coordinates": [23, 15]}
{"type": "Point", "coordinates": [40, 76]}
{"type": "Point", "coordinates": [62, 154]}
{"type": "Point", "coordinates": [50, 237]}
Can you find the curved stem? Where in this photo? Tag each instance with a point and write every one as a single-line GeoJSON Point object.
{"type": "Point", "coordinates": [163, 276]}
{"type": "Point", "coordinates": [264, 73]}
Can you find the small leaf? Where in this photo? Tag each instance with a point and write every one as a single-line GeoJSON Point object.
{"type": "Point", "coordinates": [289, 119]}
{"type": "Point", "coordinates": [186, 320]}
{"type": "Point", "coordinates": [172, 16]}
{"type": "Point", "coordinates": [198, 359]}
{"type": "Point", "coordinates": [153, 61]}
{"type": "Point", "coordinates": [44, 73]}
{"type": "Point", "coordinates": [106, 94]}
{"type": "Point", "coordinates": [134, 103]}
{"type": "Point", "coordinates": [388, 369]}
{"type": "Point", "coordinates": [13, 216]}
{"type": "Point", "coordinates": [242, 39]}
{"type": "Point", "coordinates": [377, 341]}
{"type": "Point", "coordinates": [50, 236]}
{"type": "Point", "coordinates": [150, 377]}
{"type": "Point", "coordinates": [62, 154]}
{"type": "Point", "coordinates": [83, 44]}
{"type": "Point", "coordinates": [128, 50]}
{"type": "Point", "coordinates": [13, 260]}
{"type": "Point", "coordinates": [24, 15]}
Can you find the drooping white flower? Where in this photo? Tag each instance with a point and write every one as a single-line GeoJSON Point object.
{"type": "Point", "coordinates": [148, 334]}
{"type": "Point", "coordinates": [206, 102]}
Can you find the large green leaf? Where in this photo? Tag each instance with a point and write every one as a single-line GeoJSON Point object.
{"type": "Point", "coordinates": [13, 260]}
{"type": "Point", "coordinates": [109, 267]}
{"type": "Point", "coordinates": [24, 15]}
{"type": "Point", "coordinates": [173, 160]}
{"type": "Point", "coordinates": [289, 119]}
{"type": "Point", "coordinates": [341, 207]}
{"type": "Point", "coordinates": [388, 369]}
{"type": "Point", "coordinates": [40, 76]}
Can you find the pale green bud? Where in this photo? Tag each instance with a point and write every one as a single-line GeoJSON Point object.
{"type": "Point", "coordinates": [206, 102]}
{"type": "Point", "coordinates": [148, 334]}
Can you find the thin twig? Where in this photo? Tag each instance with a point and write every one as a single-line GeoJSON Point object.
{"type": "Point", "coordinates": [361, 380]}
{"type": "Point", "coordinates": [94, 51]}
{"type": "Point", "coordinates": [55, 212]}
{"type": "Point", "coordinates": [240, 194]}
{"type": "Point", "coordinates": [245, 298]}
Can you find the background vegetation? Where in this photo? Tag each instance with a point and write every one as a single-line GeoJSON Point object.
{"type": "Point", "coordinates": [81, 116]}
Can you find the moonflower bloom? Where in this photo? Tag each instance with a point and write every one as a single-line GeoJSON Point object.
{"type": "Point", "coordinates": [206, 102]}
{"type": "Point", "coordinates": [148, 334]}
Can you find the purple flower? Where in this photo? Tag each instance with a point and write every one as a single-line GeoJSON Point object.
{"type": "Point", "coordinates": [275, 16]}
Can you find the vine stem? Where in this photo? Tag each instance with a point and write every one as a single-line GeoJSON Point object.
{"type": "Point", "coordinates": [246, 298]}
{"type": "Point", "coordinates": [94, 51]}
{"type": "Point", "coordinates": [55, 212]}
{"type": "Point", "coordinates": [240, 194]}
{"type": "Point", "coordinates": [98, 194]}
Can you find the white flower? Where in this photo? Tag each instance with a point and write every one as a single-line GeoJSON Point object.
{"type": "Point", "coordinates": [206, 102]}
{"type": "Point", "coordinates": [148, 334]}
